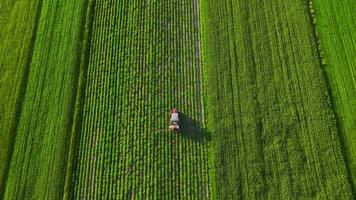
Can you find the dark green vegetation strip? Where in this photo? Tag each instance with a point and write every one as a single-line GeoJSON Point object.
{"type": "Point", "coordinates": [17, 27]}
{"type": "Point", "coordinates": [38, 164]}
{"type": "Point", "coordinates": [273, 131]}
{"type": "Point", "coordinates": [142, 64]}
{"type": "Point", "coordinates": [336, 28]}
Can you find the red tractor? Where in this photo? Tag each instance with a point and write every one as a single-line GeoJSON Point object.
{"type": "Point", "coordinates": [174, 120]}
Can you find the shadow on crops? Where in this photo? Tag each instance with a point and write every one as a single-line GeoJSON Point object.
{"type": "Point", "coordinates": [191, 129]}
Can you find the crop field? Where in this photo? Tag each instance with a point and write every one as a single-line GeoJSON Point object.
{"type": "Point", "coordinates": [266, 94]}
{"type": "Point", "coordinates": [125, 149]}
{"type": "Point", "coordinates": [40, 149]}
{"type": "Point", "coordinates": [274, 133]}
{"type": "Point", "coordinates": [16, 35]}
{"type": "Point", "coordinates": [337, 33]}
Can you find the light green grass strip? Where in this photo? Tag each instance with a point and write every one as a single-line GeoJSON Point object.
{"type": "Point", "coordinates": [335, 23]}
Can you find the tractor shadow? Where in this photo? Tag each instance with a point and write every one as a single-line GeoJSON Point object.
{"type": "Point", "coordinates": [191, 129]}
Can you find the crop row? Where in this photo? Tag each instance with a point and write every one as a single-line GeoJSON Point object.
{"type": "Point", "coordinates": [142, 64]}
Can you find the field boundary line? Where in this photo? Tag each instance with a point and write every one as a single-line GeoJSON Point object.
{"type": "Point", "coordinates": [201, 101]}
{"type": "Point", "coordinates": [198, 58]}
{"type": "Point", "coordinates": [77, 103]}
{"type": "Point", "coordinates": [19, 99]}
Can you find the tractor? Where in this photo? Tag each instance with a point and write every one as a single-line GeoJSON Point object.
{"type": "Point", "coordinates": [174, 120]}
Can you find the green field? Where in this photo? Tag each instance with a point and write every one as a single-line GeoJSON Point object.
{"type": "Point", "coordinates": [274, 133]}
{"type": "Point", "coordinates": [337, 34]}
{"type": "Point", "coordinates": [18, 24]}
{"type": "Point", "coordinates": [38, 164]}
{"type": "Point", "coordinates": [266, 92]}
{"type": "Point", "coordinates": [134, 78]}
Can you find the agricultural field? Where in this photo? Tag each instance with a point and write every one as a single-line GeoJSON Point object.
{"type": "Point", "coordinates": [16, 36]}
{"type": "Point", "coordinates": [335, 23]}
{"type": "Point", "coordinates": [40, 150]}
{"type": "Point", "coordinates": [273, 129]}
{"type": "Point", "coordinates": [266, 93]}
{"type": "Point", "coordinates": [143, 62]}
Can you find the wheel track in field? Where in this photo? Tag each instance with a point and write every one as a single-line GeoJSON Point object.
{"type": "Point", "coordinates": [197, 54]}
{"type": "Point", "coordinates": [200, 108]}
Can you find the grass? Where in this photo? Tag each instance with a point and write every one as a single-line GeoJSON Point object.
{"type": "Point", "coordinates": [273, 130]}
{"type": "Point", "coordinates": [337, 35]}
{"type": "Point", "coordinates": [17, 21]}
{"type": "Point", "coordinates": [142, 64]}
{"type": "Point", "coordinates": [37, 168]}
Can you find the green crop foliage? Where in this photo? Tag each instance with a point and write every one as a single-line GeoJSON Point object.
{"type": "Point", "coordinates": [86, 88]}
{"type": "Point", "coordinates": [142, 63]}
{"type": "Point", "coordinates": [336, 27]}
{"type": "Point", "coordinates": [37, 167]}
{"type": "Point", "coordinates": [17, 22]}
{"type": "Point", "coordinates": [273, 130]}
